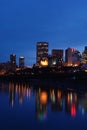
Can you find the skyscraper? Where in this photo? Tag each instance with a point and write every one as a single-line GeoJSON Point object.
{"type": "Point", "coordinates": [57, 54]}
{"type": "Point", "coordinates": [68, 56]}
{"type": "Point", "coordinates": [76, 57]}
{"type": "Point", "coordinates": [72, 56]}
{"type": "Point", "coordinates": [41, 51]}
{"type": "Point", "coordinates": [84, 56]}
{"type": "Point", "coordinates": [13, 62]}
{"type": "Point", "coordinates": [21, 62]}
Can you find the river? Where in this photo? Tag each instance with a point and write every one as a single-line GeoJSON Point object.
{"type": "Point", "coordinates": [28, 106]}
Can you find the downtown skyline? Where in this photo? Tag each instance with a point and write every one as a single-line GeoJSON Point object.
{"type": "Point", "coordinates": [23, 23]}
{"type": "Point", "coordinates": [36, 50]}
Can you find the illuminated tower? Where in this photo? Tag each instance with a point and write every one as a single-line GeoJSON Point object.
{"type": "Point", "coordinates": [72, 56]}
{"type": "Point", "coordinates": [13, 62]}
{"type": "Point", "coordinates": [57, 54]}
{"type": "Point", "coordinates": [84, 56]}
{"type": "Point", "coordinates": [68, 56]}
{"type": "Point", "coordinates": [21, 62]}
{"type": "Point", "coordinates": [41, 51]}
{"type": "Point", "coordinates": [76, 57]}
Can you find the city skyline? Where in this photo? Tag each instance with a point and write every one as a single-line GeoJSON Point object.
{"type": "Point", "coordinates": [23, 23]}
{"type": "Point", "coordinates": [21, 59]}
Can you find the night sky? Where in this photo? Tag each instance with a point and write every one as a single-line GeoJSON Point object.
{"type": "Point", "coordinates": [62, 23]}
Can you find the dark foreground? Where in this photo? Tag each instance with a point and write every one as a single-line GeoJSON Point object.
{"type": "Point", "coordinates": [72, 80]}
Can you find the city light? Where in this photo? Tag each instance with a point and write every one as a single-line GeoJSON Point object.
{"type": "Point", "coordinates": [44, 62]}
{"type": "Point", "coordinates": [43, 97]}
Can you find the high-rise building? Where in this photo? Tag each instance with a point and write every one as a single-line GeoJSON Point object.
{"type": "Point", "coordinates": [21, 62]}
{"type": "Point", "coordinates": [68, 56]}
{"type": "Point", "coordinates": [41, 51]}
{"type": "Point", "coordinates": [57, 54]}
{"type": "Point", "coordinates": [84, 56]}
{"type": "Point", "coordinates": [76, 57]}
{"type": "Point", "coordinates": [13, 62]}
{"type": "Point", "coordinates": [72, 56]}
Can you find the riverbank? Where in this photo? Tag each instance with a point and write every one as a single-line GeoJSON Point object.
{"type": "Point", "coordinates": [46, 76]}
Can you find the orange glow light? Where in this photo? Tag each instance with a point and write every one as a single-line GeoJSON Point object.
{"type": "Point", "coordinates": [44, 62]}
{"type": "Point", "coordinates": [43, 98]}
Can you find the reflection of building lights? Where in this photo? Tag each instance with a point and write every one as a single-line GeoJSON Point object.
{"type": "Point", "coordinates": [43, 97]}
{"type": "Point", "coordinates": [83, 111]}
{"type": "Point", "coordinates": [75, 97]}
{"type": "Point", "coordinates": [42, 116]}
{"type": "Point", "coordinates": [53, 96]}
{"type": "Point", "coordinates": [68, 97]}
{"type": "Point", "coordinates": [16, 88]}
{"type": "Point", "coordinates": [28, 92]}
{"type": "Point", "coordinates": [12, 103]}
{"type": "Point", "coordinates": [71, 96]}
{"type": "Point", "coordinates": [19, 90]}
{"type": "Point", "coordinates": [73, 110]}
{"type": "Point", "coordinates": [12, 93]}
{"type": "Point", "coordinates": [53, 92]}
{"type": "Point", "coordinates": [59, 95]}
{"type": "Point", "coordinates": [20, 100]}
{"type": "Point", "coordinates": [39, 90]}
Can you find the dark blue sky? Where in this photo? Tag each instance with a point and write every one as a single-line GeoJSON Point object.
{"type": "Point", "coordinates": [62, 23]}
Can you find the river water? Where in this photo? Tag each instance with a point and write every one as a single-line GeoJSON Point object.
{"type": "Point", "coordinates": [28, 106]}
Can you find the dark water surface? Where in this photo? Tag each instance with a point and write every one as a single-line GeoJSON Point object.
{"type": "Point", "coordinates": [26, 106]}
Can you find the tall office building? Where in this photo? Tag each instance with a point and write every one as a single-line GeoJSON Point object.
{"type": "Point", "coordinates": [21, 62]}
{"type": "Point", "coordinates": [76, 57]}
{"type": "Point", "coordinates": [72, 56]}
{"type": "Point", "coordinates": [13, 62]}
{"type": "Point", "coordinates": [84, 56]}
{"type": "Point", "coordinates": [41, 51]}
{"type": "Point", "coordinates": [68, 56]}
{"type": "Point", "coordinates": [57, 54]}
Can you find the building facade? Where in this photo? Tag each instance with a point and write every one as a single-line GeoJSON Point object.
{"type": "Point", "coordinates": [68, 56]}
{"type": "Point", "coordinates": [41, 51]}
{"type": "Point", "coordinates": [72, 56]}
{"type": "Point", "coordinates": [76, 57]}
{"type": "Point", "coordinates": [84, 56]}
{"type": "Point", "coordinates": [21, 62]}
{"type": "Point", "coordinates": [57, 56]}
{"type": "Point", "coordinates": [13, 62]}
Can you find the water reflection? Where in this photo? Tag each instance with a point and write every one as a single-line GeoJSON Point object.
{"type": "Point", "coordinates": [41, 104]}
{"type": "Point", "coordinates": [71, 103]}
{"type": "Point", "coordinates": [59, 100]}
{"type": "Point", "coordinates": [18, 90]}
